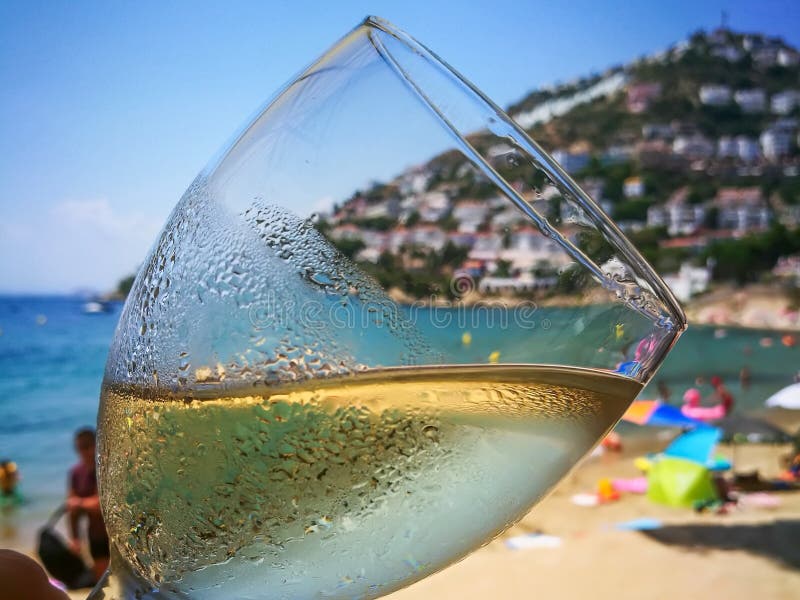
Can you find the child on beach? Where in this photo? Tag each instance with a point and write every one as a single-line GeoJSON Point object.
{"type": "Point", "coordinates": [84, 501]}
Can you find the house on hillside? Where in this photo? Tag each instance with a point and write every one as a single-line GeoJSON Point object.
{"type": "Point", "coordinates": [374, 239]}
{"type": "Point", "coordinates": [397, 238]}
{"type": "Point", "coordinates": [524, 282]}
{"type": "Point", "coordinates": [728, 52]}
{"type": "Point", "coordinates": [677, 215]}
{"type": "Point", "coordinates": [688, 281]}
{"type": "Point", "coordinates": [414, 181]}
{"type": "Point", "coordinates": [617, 153]}
{"type": "Point", "coordinates": [433, 206]}
{"type": "Point", "coordinates": [389, 208]}
{"type": "Point", "coordinates": [374, 245]}
{"type": "Point", "coordinates": [571, 162]}
{"type": "Point", "coordinates": [530, 249]}
{"type": "Point", "coordinates": [693, 147]}
{"type": "Point", "coordinates": [487, 247]}
{"type": "Point", "coordinates": [346, 231]}
{"type": "Point", "coordinates": [470, 214]}
{"type": "Point", "coordinates": [655, 153]}
{"type": "Point", "coordinates": [751, 101]}
{"type": "Point", "coordinates": [658, 131]}
{"type": "Point", "coordinates": [788, 267]}
{"type": "Point", "coordinates": [471, 268]}
{"type": "Point", "coordinates": [594, 187]}
{"type": "Point", "coordinates": [786, 214]}
{"type": "Point", "coordinates": [747, 148]}
{"type": "Point", "coordinates": [776, 142]}
{"type": "Point", "coordinates": [640, 95]}
{"type": "Point", "coordinates": [726, 147]}
{"type": "Point", "coordinates": [741, 209]}
{"type": "Point", "coordinates": [427, 236]}
{"type": "Point", "coordinates": [353, 208]}
{"type": "Point", "coordinates": [785, 102]}
{"type": "Point", "coordinates": [506, 218]}
{"type": "Point", "coordinates": [788, 57]}
{"type": "Point", "coordinates": [715, 95]}
{"type": "Point", "coordinates": [766, 57]}
{"type": "Point", "coordinates": [461, 238]}
{"type": "Point", "coordinates": [633, 187]}
{"type": "Point", "coordinates": [750, 42]}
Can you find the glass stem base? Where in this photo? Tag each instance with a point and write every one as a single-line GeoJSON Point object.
{"type": "Point", "coordinates": [120, 583]}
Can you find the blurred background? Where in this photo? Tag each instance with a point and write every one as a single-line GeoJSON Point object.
{"type": "Point", "coordinates": [681, 120]}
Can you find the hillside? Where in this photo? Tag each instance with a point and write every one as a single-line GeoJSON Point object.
{"type": "Point", "coordinates": [693, 151]}
{"type": "Point", "coordinates": [723, 58]}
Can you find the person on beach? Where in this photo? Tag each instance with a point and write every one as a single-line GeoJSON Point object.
{"type": "Point", "coordinates": [84, 501]}
{"type": "Point", "coordinates": [722, 394]}
{"type": "Point", "coordinates": [744, 377]}
{"type": "Point", "coordinates": [9, 477]}
{"type": "Point", "coordinates": [663, 391]}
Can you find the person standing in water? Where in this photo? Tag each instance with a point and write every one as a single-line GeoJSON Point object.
{"type": "Point", "coordinates": [744, 377]}
{"type": "Point", "coordinates": [84, 501]}
{"type": "Point", "coordinates": [722, 393]}
{"type": "Point", "coordinates": [9, 477]}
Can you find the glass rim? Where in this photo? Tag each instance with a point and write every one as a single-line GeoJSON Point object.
{"type": "Point", "coordinates": [676, 320]}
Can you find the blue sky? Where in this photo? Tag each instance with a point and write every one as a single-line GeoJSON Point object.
{"type": "Point", "coordinates": [108, 109]}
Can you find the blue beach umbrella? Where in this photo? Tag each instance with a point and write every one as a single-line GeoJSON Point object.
{"type": "Point", "coordinates": [657, 414]}
{"type": "Point", "coordinates": [698, 446]}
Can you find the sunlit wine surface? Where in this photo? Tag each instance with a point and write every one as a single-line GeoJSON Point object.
{"type": "Point", "coordinates": [347, 487]}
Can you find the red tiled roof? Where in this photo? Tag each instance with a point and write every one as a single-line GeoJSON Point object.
{"type": "Point", "coordinates": [728, 197]}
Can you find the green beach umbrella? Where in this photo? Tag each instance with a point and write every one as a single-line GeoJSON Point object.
{"type": "Point", "coordinates": [679, 482]}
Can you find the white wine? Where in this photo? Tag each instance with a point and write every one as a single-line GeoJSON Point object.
{"type": "Point", "coordinates": [350, 486]}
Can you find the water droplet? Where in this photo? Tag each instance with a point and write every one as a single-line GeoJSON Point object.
{"type": "Point", "coordinates": [431, 432]}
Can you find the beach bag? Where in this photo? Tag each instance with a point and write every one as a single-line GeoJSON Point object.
{"type": "Point", "coordinates": [57, 558]}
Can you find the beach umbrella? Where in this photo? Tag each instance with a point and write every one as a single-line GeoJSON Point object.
{"type": "Point", "coordinates": [657, 414]}
{"type": "Point", "coordinates": [679, 482]}
{"type": "Point", "coordinates": [741, 428]}
{"type": "Point", "coordinates": [788, 397]}
{"type": "Point", "coordinates": [698, 446]}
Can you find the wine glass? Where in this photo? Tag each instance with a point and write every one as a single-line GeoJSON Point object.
{"type": "Point", "coordinates": [374, 331]}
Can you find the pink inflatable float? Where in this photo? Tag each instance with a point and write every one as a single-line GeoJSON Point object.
{"type": "Point", "coordinates": [692, 409]}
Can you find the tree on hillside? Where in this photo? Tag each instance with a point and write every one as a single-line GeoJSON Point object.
{"type": "Point", "coordinates": [125, 285]}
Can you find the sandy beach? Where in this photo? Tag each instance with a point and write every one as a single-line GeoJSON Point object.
{"type": "Point", "coordinates": [753, 306]}
{"type": "Point", "coordinates": [747, 552]}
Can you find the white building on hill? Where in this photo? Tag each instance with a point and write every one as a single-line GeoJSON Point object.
{"type": "Point", "coordinates": [776, 143]}
{"type": "Point", "coordinates": [693, 146]}
{"type": "Point", "coordinates": [677, 215]}
{"type": "Point", "coordinates": [715, 95]}
{"type": "Point", "coordinates": [633, 187]}
{"type": "Point", "coordinates": [470, 214]}
{"type": "Point", "coordinates": [726, 147]}
{"type": "Point", "coordinates": [571, 162]}
{"type": "Point", "coordinates": [788, 58]}
{"type": "Point", "coordinates": [785, 102]}
{"type": "Point", "coordinates": [688, 281]}
{"type": "Point", "coordinates": [747, 148]}
{"type": "Point", "coordinates": [487, 247]}
{"type": "Point", "coordinates": [741, 209]}
{"type": "Point", "coordinates": [752, 100]}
